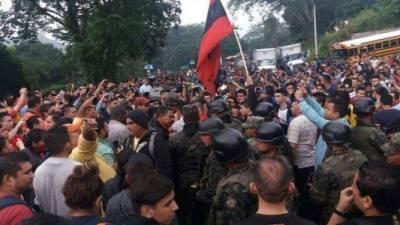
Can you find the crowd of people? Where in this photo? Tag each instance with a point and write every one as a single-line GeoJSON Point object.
{"type": "Point", "coordinates": [315, 144]}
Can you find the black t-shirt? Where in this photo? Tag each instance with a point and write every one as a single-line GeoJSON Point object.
{"type": "Point", "coordinates": [370, 220]}
{"type": "Point", "coordinates": [284, 219]}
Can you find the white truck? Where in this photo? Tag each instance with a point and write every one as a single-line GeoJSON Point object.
{"type": "Point", "coordinates": [292, 54]}
{"type": "Point", "coordinates": [266, 58]}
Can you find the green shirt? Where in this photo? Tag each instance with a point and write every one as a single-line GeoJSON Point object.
{"type": "Point", "coordinates": [106, 152]}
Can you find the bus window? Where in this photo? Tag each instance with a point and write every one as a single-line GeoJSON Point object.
{"type": "Point", "coordinates": [370, 48]}
{"type": "Point", "coordinates": [393, 43]}
{"type": "Point", "coordinates": [378, 45]}
{"type": "Point", "coordinates": [363, 50]}
{"type": "Point", "coordinates": [385, 44]}
{"type": "Point", "coordinates": [342, 53]}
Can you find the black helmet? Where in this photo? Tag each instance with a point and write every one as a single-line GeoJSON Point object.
{"type": "Point", "coordinates": [264, 109]}
{"type": "Point", "coordinates": [230, 146]}
{"type": "Point", "coordinates": [364, 105]}
{"type": "Point", "coordinates": [270, 132]}
{"type": "Point", "coordinates": [336, 133]}
{"type": "Point", "coordinates": [210, 125]}
{"type": "Point", "coordinates": [217, 106]}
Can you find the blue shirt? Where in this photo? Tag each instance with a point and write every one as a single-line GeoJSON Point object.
{"type": "Point", "coordinates": [315, 113]}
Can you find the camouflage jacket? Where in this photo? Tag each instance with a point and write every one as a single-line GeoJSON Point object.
{"type": "Point", "coordinates": [187, 154]}
{"type": "Point", "coordinates": [233, 201]}
{"type": "Point", "coordinates": [212, 173]}
{"type": "Point", "coordinates": [334, 174]}
{"type": "Point", "coordinates": [368, 139]}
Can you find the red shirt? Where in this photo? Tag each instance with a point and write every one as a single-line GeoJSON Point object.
{"type": "Point", "coordinates": [14, 214]}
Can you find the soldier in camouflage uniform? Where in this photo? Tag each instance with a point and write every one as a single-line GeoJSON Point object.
{"type": "Point", "coordinates": [392, 150]}
{"type": "Point", "coordinates": [271, 142]}
{"type": "Point", "coordinates": [337, 169]}
{"type": "Point", "coordinates": [233, 201]}
{"type": "Point", "coordinates": [186, 149]}
{"type": "Point", "coordinates": [218, 108]}
{"type": "Point", "coordinates": [265, 110]}
{"type": "Point", "coordinates": [250, 126]}
{"type": "Point", "coordinates": [365, 136]}
{"type": "Point", "coordinates": [210, 169]}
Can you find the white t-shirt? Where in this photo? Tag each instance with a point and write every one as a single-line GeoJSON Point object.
{"type": "Point", "coordinates": [145, 88]}
{"type": "Point", "coordinates": [303, 132]}
{"type": "Point", "coordinates": [48, 183]}
{"type": "Point", "coordinates": [282, 115]}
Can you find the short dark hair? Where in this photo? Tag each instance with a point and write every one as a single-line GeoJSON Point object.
{"type": "Point", "coordinates": [32, 121]}
{"type": "Point", "coordinates": [82, 187]}
{"type": "Point", "coordinates": [281, 91]}
{"type": "Point", "coordinates": [10, 164]}
{"type": "Point", "coordinates": [55, 140]}
{"type": "Point", "coordinates": [387, 99]}
{"type": "Point", "coordinates": [241, 91]}
{"type": "Point", "coordinates": [47, 219]}
{"type": "Point", "coordinates": [272, 178]}
{"type": "Point", "coordinates": [290, 84]}
{"type": "Point", "coordinates": [320, 97]}
{"type": "Point", "coordinates": [148, 188]}
{"type": "Point", "coordinates": [33, 136]}
{"type": "Point", "coordinates": [343, 97]}
{"type": "Point", "coordinates": [360, 88]}
{"type": "Point", "coordinates": [118, 113]}
{"type": "Point", "coordinates": [375, 76]}
{"type": "Point", "coordinates": [190, 114]}
{"type": "Point", "coordinates": [162, 111]}
{"type": "Point", "coordinates": [381, 182]}
{"type": "Point", "coordinates": [339, 107]}
{"type": "Point", "coordinates": [326, 77]}
{"type": "Point", "coordinates": [56, 117]}
{"type": "Point", "coordinates": [34, 101]}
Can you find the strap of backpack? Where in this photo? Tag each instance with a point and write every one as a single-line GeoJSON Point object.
{"type": "Point", "coordinates": [151, 148]}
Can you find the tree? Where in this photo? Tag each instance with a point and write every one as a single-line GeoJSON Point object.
{"type": "Point", "coordinates": [42, 64]}
{"type": "Point", "coordinates": [11, 79]}
{"type": "Point", "coordinates": [298, 14]}
{"type": "Point", "coordinates": [98, 33]}
{"type": "Point", "coordinates": [384, 14]}
{"type": "Point", "coordinates": [183, 45]}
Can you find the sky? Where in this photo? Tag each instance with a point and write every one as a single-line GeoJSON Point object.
{"type": "Point", "coordinates": [195, 11]}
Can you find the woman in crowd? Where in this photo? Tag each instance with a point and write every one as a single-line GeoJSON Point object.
{"type": "Point", "coordinates": [82, 191]}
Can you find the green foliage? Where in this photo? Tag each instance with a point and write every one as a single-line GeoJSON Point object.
{"type": "Point", "coordinates": [271, 33]}
{"type": "Point", "coordinates": [41, 63]}
{"type": "Point", "coordinates": [298, 14]}
{"type": "Point", "coordinates": [99, 34]}
{"type": "Point", "coordinates": [11, 78]}
{"type": "Point", "coordinates": [182, 46]}
{"type": "Point", "coordinates": [384, 14]}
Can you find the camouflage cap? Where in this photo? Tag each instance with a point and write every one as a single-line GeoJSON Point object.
{"type": "Point", "coordinates": [253, 122]}
{"type": "Point", "coordinates": [393, 146]}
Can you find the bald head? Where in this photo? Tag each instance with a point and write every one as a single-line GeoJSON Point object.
{"type": "Point", "coordinates": [272, 178]}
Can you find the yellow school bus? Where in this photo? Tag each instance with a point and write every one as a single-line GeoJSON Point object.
{"type": "Point", "coordinates": [374, 45]}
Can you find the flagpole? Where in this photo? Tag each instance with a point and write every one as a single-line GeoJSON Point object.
{"type": "Point", "coordinates": [238, 42]}
{"type": "Point", "coordinates": [241, 51]}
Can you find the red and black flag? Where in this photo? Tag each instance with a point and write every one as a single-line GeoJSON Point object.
{"type": "Point", "coordinates": [217, 28]}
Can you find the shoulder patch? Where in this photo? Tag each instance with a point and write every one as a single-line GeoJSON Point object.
{"type": "Point", "coordinates": [230, 202]}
